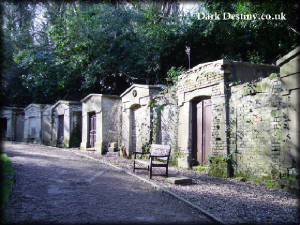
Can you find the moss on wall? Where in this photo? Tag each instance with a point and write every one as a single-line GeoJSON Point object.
{"type": "Point", "coordinates": [217, 166]}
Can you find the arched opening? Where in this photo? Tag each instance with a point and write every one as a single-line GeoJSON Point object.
{"type": "Point", "coordinates": [201, 129]}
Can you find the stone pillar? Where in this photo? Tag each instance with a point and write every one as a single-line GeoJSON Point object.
{"type": "Point", "coordinates": [9, 131]}
{"type": "Point", "coordinates": [99, 131]}
{"type": "Point", "coordinates": [84, 137]}
{"type": "Point", "coordinates": [184, 135]}
{"type": "Point", "coordinates": [67, 126]}
{"type": "Point", "coordinates": [126, 129]}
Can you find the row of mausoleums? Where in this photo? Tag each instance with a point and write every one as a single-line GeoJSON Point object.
{"type": "Point", "coordinates": [244, 112]}
{"type": "Point", "coordinates": [91, 124]}
{"type": "Point", "coordinates": [57, 125]}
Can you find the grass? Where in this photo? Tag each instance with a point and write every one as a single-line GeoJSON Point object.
{"type": "Point", "coordinates": [272, 183]}
{"type": "Point", "coordinates": [200, 168]}
{"type": "Point", "coordinates": [9, 178]}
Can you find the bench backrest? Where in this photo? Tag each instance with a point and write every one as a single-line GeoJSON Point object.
{"type": "Point", "coordinates": [160, 150]}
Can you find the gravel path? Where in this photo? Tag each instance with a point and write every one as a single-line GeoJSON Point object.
{"type": "Point", "coordinates": [230, 200]}
{"type": "Point", "coordinates": [58, 186]}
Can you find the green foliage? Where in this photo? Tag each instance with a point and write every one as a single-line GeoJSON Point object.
{"type": "Point", "coordinates": [200, 168]}
{"type": "Point", "coordinates": [264, 37]}
{"type": "Point", "coordinates": [279, 181]}
{"type": "Point", "coordinates": [173, 74]}
{"type": "Point", "coordinates": [146, 147]}
{"type": "Point", "coordinates": [210, 74]}
{"type": "Point", "coordinates": [273, 76]}
{"type": "Point", "coordinates": [9, 179]}
{"type": "Point", "coordinates": [217, 166]}
{"type": "Point", "coordinates": [81, 48]}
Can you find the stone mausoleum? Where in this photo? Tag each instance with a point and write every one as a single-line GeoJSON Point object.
{"type": "Point", "coordinates": [66, 123]}
{"type": "Point", "coordinates": [100, 122]}
{"type": "Point", "coordinates": [222, 113]}
{"type": "Point", "coordinates": [12, 123]}
{"type": "Point", "coordinates": [137, 116]}
{"type": "Point", "coordinates": [33, 123]}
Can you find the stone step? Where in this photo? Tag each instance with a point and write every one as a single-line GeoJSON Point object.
{"type": "Point", "coordinates": [176, 179]}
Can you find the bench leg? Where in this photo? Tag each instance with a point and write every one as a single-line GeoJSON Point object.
{"type": "Point", "coordinates": [167, 171]}
{"type": "Point", "coordinates": [133, 166]}
{"type": "Point", "coordinates": [150, 172]}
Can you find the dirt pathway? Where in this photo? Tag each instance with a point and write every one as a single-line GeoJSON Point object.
{"type": "Point", "coordinates": [57, 186]}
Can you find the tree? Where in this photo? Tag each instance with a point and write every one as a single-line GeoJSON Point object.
{"type": "Point", "coordinates": [77, 48]}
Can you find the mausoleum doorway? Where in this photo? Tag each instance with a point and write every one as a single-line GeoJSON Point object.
{"type": "Point", "coordinates": [201, 130]}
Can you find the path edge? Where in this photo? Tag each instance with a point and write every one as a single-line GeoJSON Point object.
{"type": "Point", "coordinates": [158, 187]}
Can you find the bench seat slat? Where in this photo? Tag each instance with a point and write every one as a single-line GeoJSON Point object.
{"type": "Point", "coordinates": [144, 162]}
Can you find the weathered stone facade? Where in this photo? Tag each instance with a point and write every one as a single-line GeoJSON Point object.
{"type": "Point", "coordinates": [106, 109]}
{"type": "Point", "coordinates": [165, 117]}
{"type": "Point", "coordinates": [12, 123]}
{"type": "Point", "coordinates": [66, 124]}
{"type": "Point", "coordinates": [213, 81]}
{"type": "Point", "coordinates": [289, 122]}
{"type": "Point", "coordinates": [33, 123]}
{"type": "Point", "coordinates": [255, 126]}
{"type": "Point", "coordinates": [137, 115]}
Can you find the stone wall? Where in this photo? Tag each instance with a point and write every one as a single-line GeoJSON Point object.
{"type": "Point", "coordinates": [256, 113]}
{"type": "Point", "coordinates": [165, 120]}
{"type": "Point", "coordinates": [111, 123]}
{"type": "Point", "coordinates": [289, 74]}
{"type": "Point", "coordinates": [46, 125]}
{"type": "Point", "coordinates": [136, 104]}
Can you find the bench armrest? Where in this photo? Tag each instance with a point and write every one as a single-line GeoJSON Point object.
{"type": "Point", "coordinates": [152, 156]}
{"type": "Point", "coordinates": [140, 153]}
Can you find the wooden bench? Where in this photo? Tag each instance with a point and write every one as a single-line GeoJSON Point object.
{"type": "Point", "coordinates": [158, 156]}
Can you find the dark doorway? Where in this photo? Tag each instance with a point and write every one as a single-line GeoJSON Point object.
{"type": "Point", "coordinates": [92, 130]}
{"type": "Point", "coordinates": [3, 127]}
{"type": "Point", "coordinates": [201, 121]}
{"type": "Point", "coordinates": [60, 131]}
